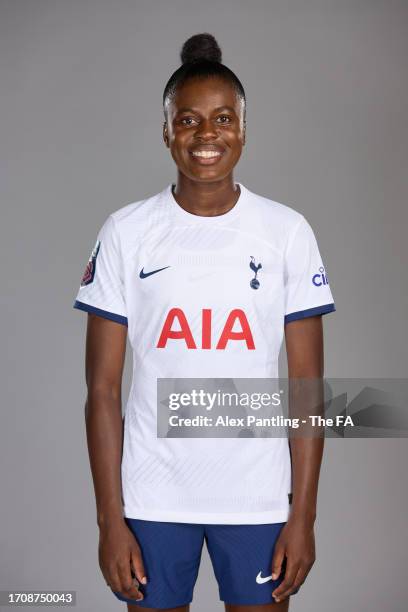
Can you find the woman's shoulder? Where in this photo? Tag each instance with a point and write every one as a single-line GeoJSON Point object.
{"type": "Point", "coordinates": [137, 209]}
{"type": "Point", "coordinates": [273, 210]}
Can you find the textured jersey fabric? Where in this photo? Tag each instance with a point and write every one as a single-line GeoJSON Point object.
{"type": "Point", "coordinates": [203, 297]}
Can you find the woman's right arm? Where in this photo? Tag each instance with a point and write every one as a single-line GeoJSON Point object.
{"type": "Point", "coordinates": [119, 551]}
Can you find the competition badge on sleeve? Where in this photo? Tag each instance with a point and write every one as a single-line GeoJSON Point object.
{"type": "Point", "coordinates": [91, 266]}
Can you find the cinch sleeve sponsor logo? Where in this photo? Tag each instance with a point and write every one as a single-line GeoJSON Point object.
{"type": "Point", "coordinates": [320, 279]}
{"type": "Point", "coordinates": [178, 317]}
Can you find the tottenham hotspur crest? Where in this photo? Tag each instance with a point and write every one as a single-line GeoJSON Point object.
{"type": "Point", "coordinates": [254, 284]}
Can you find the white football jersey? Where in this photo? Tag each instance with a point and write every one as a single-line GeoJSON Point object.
{"type": "Point", "coordinates": [203, 297]}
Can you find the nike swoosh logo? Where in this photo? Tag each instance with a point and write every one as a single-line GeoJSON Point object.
{"type": "Point", "coordinates": [261, 580]}
{"type": "Point", "coordinates": [146, 274]}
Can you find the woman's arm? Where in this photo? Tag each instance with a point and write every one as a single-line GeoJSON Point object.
{"type": "Point", "coordinates": [304, 348]}
{"type": "Point", "coordinates": [105, 356]}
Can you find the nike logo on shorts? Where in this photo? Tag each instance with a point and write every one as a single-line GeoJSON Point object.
{"type": "Point", "coordinates": [261, 580]}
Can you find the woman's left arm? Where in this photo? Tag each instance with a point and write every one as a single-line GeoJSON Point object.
{"type": "Point", "coordinates": [304, 348]}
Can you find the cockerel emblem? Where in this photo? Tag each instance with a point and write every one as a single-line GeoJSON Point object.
{"type": "Point", "coordinates": [255, 268]}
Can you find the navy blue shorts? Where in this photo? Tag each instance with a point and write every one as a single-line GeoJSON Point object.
{"type": "Point", "coordinates": [241, 556]}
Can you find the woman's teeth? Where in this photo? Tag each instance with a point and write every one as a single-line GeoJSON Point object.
{"type": "Point", "coordinates": [206, 154]}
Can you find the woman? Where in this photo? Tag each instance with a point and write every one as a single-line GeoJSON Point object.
{"type": "Point", "coordinates": [206, 277]}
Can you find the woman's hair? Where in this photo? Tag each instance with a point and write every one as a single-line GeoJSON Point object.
{"type": "Point", "coordinates": [201, 58]}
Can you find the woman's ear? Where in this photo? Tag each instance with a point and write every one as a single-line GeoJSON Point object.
{"type": "Point", "coordinates": [244, 134]}
{"type": "Point", "coordinates": [165, 134]}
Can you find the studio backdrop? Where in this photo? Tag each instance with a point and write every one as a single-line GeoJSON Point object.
{"type": "Point", "coordinates": [81, 136]}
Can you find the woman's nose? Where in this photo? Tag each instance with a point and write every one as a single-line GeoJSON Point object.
{"type": "Point", "coordinates": [206, 129]}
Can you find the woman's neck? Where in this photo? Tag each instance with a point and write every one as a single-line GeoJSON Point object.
{"type": "Point", "coordinates": [206, 199]}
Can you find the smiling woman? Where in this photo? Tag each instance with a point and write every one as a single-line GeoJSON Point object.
{"type": "Point", "coordinates": [204, 129]}
{"type": "Point", "coordinates": [206, 277]}
{"type": "Point", "coordinates": [204, 108]}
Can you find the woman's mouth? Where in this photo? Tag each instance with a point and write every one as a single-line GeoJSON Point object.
{"type": "Point", "coordinates": [207, 155]}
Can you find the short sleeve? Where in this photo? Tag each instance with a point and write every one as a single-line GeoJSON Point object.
{"type": "Point", "coordinates": [307, 289]}
{"type": "Point", "coordinates": [102, 286]}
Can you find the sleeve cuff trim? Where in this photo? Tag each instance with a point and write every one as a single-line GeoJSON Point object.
{"type": "Point", "coordinates": [101, 313]}
{"type": "Point", "coordinates": [310, 312]}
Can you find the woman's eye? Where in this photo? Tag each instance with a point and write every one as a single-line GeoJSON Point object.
{"type": "Point", "coordinates": [187, 121]}
{"type": "Point", "coordinates": [224, 119]}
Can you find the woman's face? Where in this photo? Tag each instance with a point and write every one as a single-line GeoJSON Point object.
{"type": "Point", "coordinates": [204, 129]}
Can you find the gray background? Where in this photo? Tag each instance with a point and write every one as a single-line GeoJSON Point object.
{"type": "Point", "coordinates": [81, 122]}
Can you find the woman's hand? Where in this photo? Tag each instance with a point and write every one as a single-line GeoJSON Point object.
{"type": "Point", "coordinates": [294, 547]}
{"type": "Point", "coordinates": [119, 554]}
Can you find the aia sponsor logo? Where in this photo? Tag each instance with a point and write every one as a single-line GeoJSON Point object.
{"type": "Point", "coordinates": [176, 327]}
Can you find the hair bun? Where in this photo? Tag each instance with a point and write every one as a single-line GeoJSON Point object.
{"type": "Point", "coordinates": [201, 47]}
